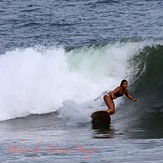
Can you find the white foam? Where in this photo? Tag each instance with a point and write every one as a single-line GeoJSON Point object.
{"type": "Point", "coordinates": [34, 81]}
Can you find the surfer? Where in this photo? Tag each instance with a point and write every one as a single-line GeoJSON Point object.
{"type": "Point", "coordinates": [118, 92]}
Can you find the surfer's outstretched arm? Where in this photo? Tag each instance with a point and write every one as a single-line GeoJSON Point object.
{"type": "Point", "coordinates": [131, 97]}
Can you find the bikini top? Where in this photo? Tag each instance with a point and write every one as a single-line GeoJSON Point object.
{"type": "Point", "coordinates": [117, 94]}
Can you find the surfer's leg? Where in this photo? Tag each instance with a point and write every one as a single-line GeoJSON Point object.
{"type": "Point", "coordinates": [110, 104]}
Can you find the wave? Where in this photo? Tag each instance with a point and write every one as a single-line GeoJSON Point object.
{"type": "Point", "coordinates": [145, 117]}
{"type": "Point", "coordinates": [150, 84]}
{"type": "Point", "coordinates": [42, 80]}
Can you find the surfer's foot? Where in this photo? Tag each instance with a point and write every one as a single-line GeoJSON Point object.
{"type": "Point", "coordinates": [107, 112]}
{"type": "Point", "coordinates": [110, 112]}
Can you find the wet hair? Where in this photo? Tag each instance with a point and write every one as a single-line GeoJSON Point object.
{"type": "Point", "coordinates": [123, 82]}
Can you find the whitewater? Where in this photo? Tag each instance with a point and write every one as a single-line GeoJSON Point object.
{"type": "Point", "coordinates": [41, 80]}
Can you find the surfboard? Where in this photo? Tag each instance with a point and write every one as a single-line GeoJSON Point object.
{"type": "Point", "coordinates": [100, 119]}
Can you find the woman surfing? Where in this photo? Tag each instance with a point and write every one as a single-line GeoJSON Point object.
{"type": "Point", "coordinates": [117, 92]}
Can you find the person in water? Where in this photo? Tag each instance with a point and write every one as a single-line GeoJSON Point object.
{"type": "Point", "coordinates": [118, 92]}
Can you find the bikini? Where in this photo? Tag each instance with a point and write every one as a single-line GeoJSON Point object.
{"type": "Point", "coordinates": [116, 94]}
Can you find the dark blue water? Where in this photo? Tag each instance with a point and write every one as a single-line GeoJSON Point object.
{"type": "Point", "coordinates": [72, 23]}
{"type": "Point", "coordinates": [57, 60]}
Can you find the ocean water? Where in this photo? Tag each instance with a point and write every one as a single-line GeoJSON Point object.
{"type": "Point", "coordinates": [58, 58]}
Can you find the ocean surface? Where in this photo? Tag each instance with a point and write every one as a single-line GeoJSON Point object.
{"type": "Point", "coordinates": [58, 59]}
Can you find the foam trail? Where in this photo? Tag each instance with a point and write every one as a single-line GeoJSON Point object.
{"type": "Point", "coordinates": [42, 80]}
